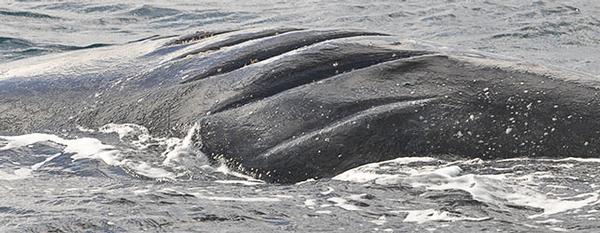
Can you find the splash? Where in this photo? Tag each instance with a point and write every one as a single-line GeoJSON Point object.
{"type": "Point", "coordinates": [134, 140]}
{"type": "Point", "coordinates": [505, 190]}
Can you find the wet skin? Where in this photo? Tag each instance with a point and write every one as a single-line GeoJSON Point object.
{"type": "Point", "coordinates": [289, 104]}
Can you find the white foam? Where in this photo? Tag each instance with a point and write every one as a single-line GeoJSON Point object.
{"type": "Point", "coordinates": [141, 191]}
{"type": "Point", "coordinates": [84, 129]}
{"type": "Point", "coordinates": [501, 190]}
{"type": "Point", "coordinates": [81, 148]}
{"type": "Point", "coordinates": [139, 136]}
{"type": "Point", "coordinates": [559, 229]}
{"type": "Point", "coordinates": [184, 147]}
{"type": "Point", "coordinates": [309, 180]}
{"type": "Point", "coordinates": [343, 203]}
{"type": "Point", "coordinates": [126, 130]}
{"type": "Point", "coordinates": [91, 148]}
{"type": "Point", "coordinates": [558, 205]}
{"type": "Point", "coordinates": [25, 140]}
{"type": "Point", "coordinates": [366, 172]}
{"type": "Point", "coordinates": [323, 212]}
{"type": "Point", "coordinates": [329, 191]}
{"type": "Point", "coordinates": [24, 172]}
{"type": "Point", "coordinates": [179, 153]}
{"type": "Point", "coordinates": [310, 203]}
{"type": "Point", "coordinates": [549, 221]}
{"type": "Point", "coordinates": [18, 174]}
{"type": "Point", "coordinates": [422, 216]}
{"type": "Point", "coordinates": [145, 169]}
{"type": "Point", "coordinates": [360, 176]}
{"type": "Point", "coordinates": [379, 221]}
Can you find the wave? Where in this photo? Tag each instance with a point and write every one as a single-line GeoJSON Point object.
{"type": "Point", "coordinates": [152, 12]}
{"type": "Point", "coordinates": [27, 14]}
{"type": "Point", "coordinates": [16, 48]}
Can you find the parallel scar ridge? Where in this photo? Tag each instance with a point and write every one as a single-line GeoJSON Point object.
{"type": "Point", "coordinates": [271, 47]}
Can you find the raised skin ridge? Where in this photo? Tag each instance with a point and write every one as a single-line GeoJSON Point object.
{"type": "Point", "coordinates": [278, 158]}
{"type": "Point", "coordinates": [270, 47]}
{"type": "Point", "coordinates": [199, 35]}
{"type": "Point", "coordinates": [236, 39]}
{"type": "Point", "coordinates": [310, 67]}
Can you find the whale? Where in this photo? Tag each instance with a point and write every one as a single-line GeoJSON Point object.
{"type": "Point", "coordinates": [291, 104]}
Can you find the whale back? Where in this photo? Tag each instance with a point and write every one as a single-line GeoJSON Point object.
{"type": "Point", "coordinates": [288, 104]}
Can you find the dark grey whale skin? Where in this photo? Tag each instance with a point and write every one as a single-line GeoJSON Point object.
{"type": "Point", "coordinates": [288, 104]}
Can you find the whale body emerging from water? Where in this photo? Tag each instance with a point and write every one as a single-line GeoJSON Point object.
{"type": "Point", "coordinates": [288, 104]}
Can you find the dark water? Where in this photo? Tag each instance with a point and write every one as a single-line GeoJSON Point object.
{"type": "Point", "coordinates": [120, 179]}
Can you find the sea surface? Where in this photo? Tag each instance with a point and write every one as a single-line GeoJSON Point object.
{"type": "Point", "coordinates": [119, 178]}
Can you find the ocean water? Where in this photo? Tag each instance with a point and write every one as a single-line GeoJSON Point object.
{"type": "Point", "coordinates": [119, 178]}
{"type": "Point", "coordinates": [552, 32]}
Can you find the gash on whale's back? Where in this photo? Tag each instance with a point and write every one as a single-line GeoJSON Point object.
{"type": "Point", "coordinates": [287, 104]}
